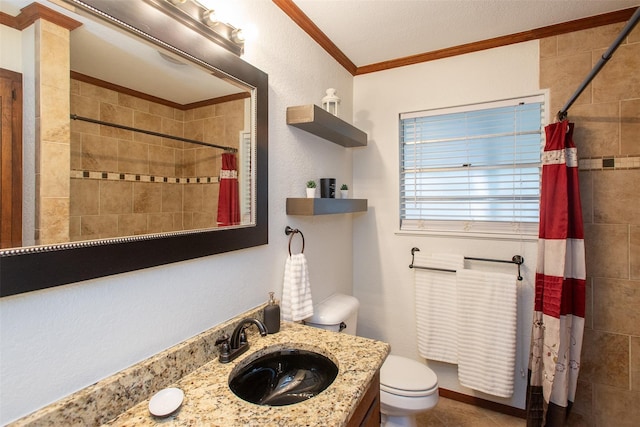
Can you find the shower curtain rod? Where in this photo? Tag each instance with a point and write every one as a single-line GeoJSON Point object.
{"type": "Point", "coordinates": [517, 259]}
{"type": "Point", "coordinates": [150, 132]}
{"type": "Point", "coordinates": [562, 114]}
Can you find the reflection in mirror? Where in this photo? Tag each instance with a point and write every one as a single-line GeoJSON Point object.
{"type": "Point", "coordinates": [159, 168]}
{"type": "Point", "coordinates": [158, 142]}
{"type": "Point", "coordinates": [145, 153]}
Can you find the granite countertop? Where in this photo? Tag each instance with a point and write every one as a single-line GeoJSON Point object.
{"type": "Point", "coordinates": [209, 401]}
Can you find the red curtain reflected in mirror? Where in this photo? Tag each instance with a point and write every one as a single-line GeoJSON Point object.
{"type": "Point", "coordinates": [228, 203]}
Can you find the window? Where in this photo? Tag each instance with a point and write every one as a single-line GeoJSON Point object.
{"type": "Point", "coordinates": [472, 169]}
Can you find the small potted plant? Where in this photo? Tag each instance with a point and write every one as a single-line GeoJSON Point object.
{"type": "Point", "coordinates": [311, 189]}
{"type": "Point", "coordinates": [344, 191]}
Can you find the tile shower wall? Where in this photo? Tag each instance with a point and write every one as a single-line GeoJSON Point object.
{"type": "Point", "coordinates": [52, 138]}
{"type": "Point", "coordinates": [128, 183]}
{"type": "Point", "coordinates": [607, 117]}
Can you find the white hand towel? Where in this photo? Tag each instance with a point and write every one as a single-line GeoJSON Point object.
{"type": "Point", "coordinates": [487, 324]}
{"type": "Point", "coordinates": [296, 291]}
{"type": "Point", "coordinates": [436, 311]}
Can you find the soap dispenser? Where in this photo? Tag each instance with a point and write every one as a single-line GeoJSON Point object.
{"type": "Point", "coordinates": [272, 315]}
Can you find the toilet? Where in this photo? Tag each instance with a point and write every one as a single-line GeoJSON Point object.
{"type": "Point", "coordinates": [407, 387]}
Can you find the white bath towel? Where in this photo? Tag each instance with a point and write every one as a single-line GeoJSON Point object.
{"type": "Point", "coordinates": [296, 291]}
{"type": "Point", "coordinates": [487, 324]}
{"type": "Point", "coordinates": [436, 306]}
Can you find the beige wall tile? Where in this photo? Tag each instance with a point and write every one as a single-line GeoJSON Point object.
{"type": "Point", "coordinates": [99, 226]}
{"type": "Point", "coordinates": [203, 220]}
{"type": "Point", "coordinates": [563, 75]}
{"type": "Point", "coordinates": [85, 197]}
{"type": "Point", "coordinates": [112, 113]}
{"type": "Point", "coordinates": [193, 194]}
{"type": "Point", "coordinates": [86, 107]}
{"type": "Point", "coordinates": [147, 121]}
{"type": "Point", "coordinates": [634, 36]}
{"type": "Point", "coordinates": [187, 221]}
{"type": "Point", "coordinates": [76, 150]}
{"type": "Point", "coordinates": [597, 131]}
{"type": "Point", "coordinates": [99, 153]}
{"type": "Point", "coordinates": [586, 195]}
{"type": "Point", "coordinates": [615, 407]}
{"type": "Point", "coordinates": [161, 110]}
{"type": "Point", "coordinates": [98, 93]}
{"type": "Point", "coordinates": [54, 113]}
{"type": "Point", "coordinates": [203, 112]}
{"type": "Point", "coordinates": [607, 253]}
{"type": "Point", "coordinates": [133, 157]}
{"type": "Point", "coordinates": [172, 127]}
{"type": "Point", "coordinates": [147, 197]}
{"type": "Point", "coordinates": [210, 197]}
{"type": "Point", "coordinates": [615, 81]}
{"type": "Point", "coordinates": [172, 198]}
{"type": "Point", "coordinates": [116, 197]}
{"type": "Point", "coordinates": [54, 220]}
{"type": "Point", "coordinates": [208, 161]}
{"type": "Point", "coordinates": [162, 223]}
{"type": "Point", "coordinates": [605, 359]}
{"type": "Point", "coordinates": [635, 363]}
{"type": "Point", "coordinates": [188, 163]}
{"type": "Point", "coordinates": [634, 252]}
{"type": "Point", "coordinates": [588, 315]}
{"type": "Point", "coordinates": [55, 169]}
{"type": "Point", "coordinates": [615, 196]}
{"type": "Point", "coordinates": [132, 224]}
{"type": "Point", "coordinates": [548, 47]}
{"type": "Point", "coordinates": [630, 126]}
{"type": "Point", "coordinates": [75, 223]}
{"type": "Point", "coordinates": [194, 129]}
{"type": "Point", "coordinates": [617, 309]}
{"type": "Point", "coordinates": [584, 399]}
{"type": "Point", "coordinates": [133, 102]}
{"type": "Point", "coordinates": [162, 161]}
{"type": "Point", "coordinates": [587, 40]}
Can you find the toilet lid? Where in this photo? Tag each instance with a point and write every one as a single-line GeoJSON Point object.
{"type": "Point", "coordinates": [407, 377]}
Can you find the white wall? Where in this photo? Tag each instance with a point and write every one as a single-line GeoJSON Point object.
{"type": "Point", "coordinates": [57, 341]}
{"type": "Point", "coordinates": [382, 280]}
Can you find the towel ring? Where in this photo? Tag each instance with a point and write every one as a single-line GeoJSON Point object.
{"type": "Point", "coordinates": [290, 232]}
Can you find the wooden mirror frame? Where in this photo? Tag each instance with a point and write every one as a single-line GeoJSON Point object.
{"type": "Point", "coordinates": [30, 269]}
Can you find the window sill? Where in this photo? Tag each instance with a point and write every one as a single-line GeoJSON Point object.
{"type": "Point", "coordinates": [524, 237]}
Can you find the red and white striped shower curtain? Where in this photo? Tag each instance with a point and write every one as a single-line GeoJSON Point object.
{"type": "Point", "coordinates": [558, 319]}
{"type": "Point", "coordinates": [228, 201]}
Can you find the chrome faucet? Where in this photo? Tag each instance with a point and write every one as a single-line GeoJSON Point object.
{"type": "Point", "coordinates": [234, 346]}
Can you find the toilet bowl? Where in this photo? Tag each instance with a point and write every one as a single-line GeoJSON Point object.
{"type": "Point", "coordinates": [407, 387]}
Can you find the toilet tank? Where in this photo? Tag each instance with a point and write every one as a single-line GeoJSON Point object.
{"type": "Point", "coordinates": [338, 313]}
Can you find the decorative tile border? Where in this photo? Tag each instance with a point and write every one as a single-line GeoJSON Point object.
{"type": "Point", "coordinates": [116, 176]}
{"type": "Point", "coordinates": [609, 163]}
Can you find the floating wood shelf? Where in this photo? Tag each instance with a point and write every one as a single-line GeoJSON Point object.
{"type": "Point", "coordinates": [324, 206]}
{"type": "Point", "coordinates": [319, 122]}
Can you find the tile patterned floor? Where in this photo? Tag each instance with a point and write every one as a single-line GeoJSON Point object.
{"type": "Point", "coordinates": [451, 413]}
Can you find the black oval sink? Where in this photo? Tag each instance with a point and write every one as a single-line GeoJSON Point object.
{"type": "Point", "coordinates": [283, 377]}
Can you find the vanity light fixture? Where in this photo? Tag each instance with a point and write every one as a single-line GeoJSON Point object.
{"type": "Point", "coordinates": [237, 36]}
{"type": "Point", "coordinates": [204, 20]}
{"type": "Point", "coordinates": [209, 18]}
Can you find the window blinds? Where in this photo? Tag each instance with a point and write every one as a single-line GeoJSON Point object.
{"type": "Point", "coordinates": [475, 164]}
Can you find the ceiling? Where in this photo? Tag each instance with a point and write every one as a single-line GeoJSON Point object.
{"type": "Point", "coordinates": [373, 31]}
{"type": "Point", "coordinates": [362, 32]}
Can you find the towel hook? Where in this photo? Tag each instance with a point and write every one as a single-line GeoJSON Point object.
{"type": "Point", "coordinates": [290, 232]}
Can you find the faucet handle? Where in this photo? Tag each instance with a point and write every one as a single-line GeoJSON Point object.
{"type": "Point", "coordinates": [223, 342]}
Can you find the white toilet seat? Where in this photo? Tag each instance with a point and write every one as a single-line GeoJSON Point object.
{"type": "Point", "coordinates": [405, 377]}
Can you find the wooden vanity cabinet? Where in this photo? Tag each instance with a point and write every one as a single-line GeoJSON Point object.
{"type": "Point", "coordinates": [367, 414]}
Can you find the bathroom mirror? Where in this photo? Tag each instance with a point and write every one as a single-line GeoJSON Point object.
{"type": "Point", "coordinates": [223, 83]}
